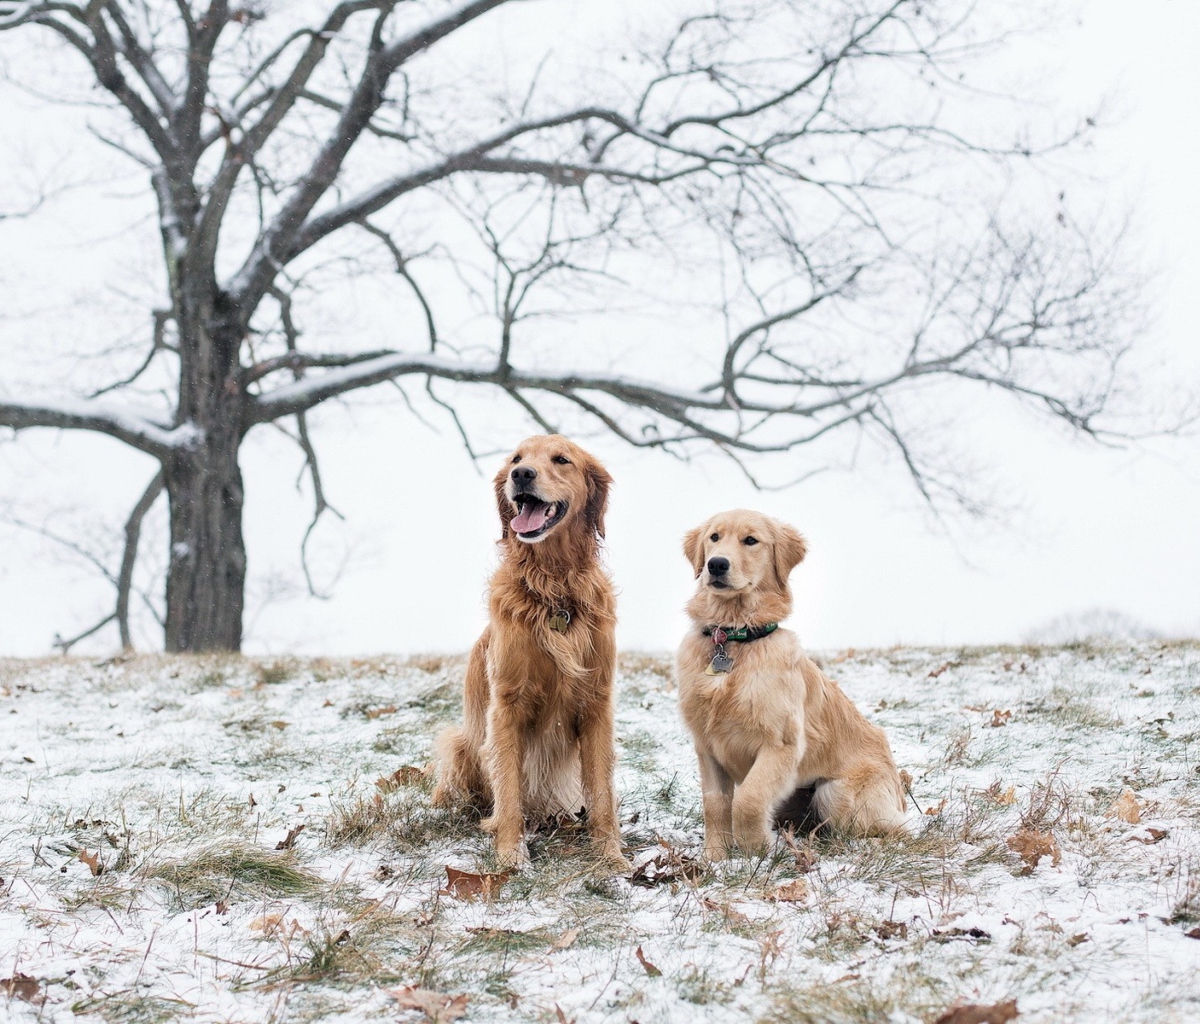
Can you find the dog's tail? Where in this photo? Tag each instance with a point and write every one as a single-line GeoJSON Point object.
{"type": "Point", "coordinates": [460, 775]}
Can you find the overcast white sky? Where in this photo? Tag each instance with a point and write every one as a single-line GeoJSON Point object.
{"type": "Point", "coordinates": [1088, 527]}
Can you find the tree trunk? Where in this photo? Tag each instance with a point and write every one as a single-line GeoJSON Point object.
{"type": "Point", "coordinates": [206, 577]}
{"type": "Point", "coordinates": [207, 574]}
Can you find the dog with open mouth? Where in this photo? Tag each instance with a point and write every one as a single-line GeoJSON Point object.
{"type": "Point", "coordinates": [775, 737]}
{"type": "Point", "coordinates": [537, 737]}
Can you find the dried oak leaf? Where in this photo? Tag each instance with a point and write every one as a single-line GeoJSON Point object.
{"type": "Point", "coordinates": [438, 1007]}
{"type": "Point", "coordinates": [466, 885]}
{"type": "Point", "coordinates": [999, 719]}
{"type": "Point", "coordinates": [391, 709]}
{"type": "Point", "coordinates": [934, 811]}
{"type": "Point", "coordinates": [730, 913]}
{"type": "Point", "coordinates": [268, 924]}
{"type": "Point", "coordinates": [1126, 807]}
{"type": "Point", "coordinates": [566, 940]}
{"type": "Point", "coordinates": [1032, 846]}
{"type": "Point", "coordinates": [1078, 940]}
{"type": "Point", "coordinates": [1152, 836]}
{"type": "Point", "coordinates": [290, 840]}
{"type": "Point", "coordinates": [1194, 933]}
{"type": "Point", "coordinates": [651, 970]}
{"type": "Point", "coordinates": [795, 891]}
{"type": "Point", "coordinates": [891, 930]}
{"type": "Point", "coordinates": [20, 986]}
{"type": "Point", "coordinates": [946, 934]}
{"type": "Point", "coordinates": [977, 1013]}
{"type": "Point", "coordinates": [662, 863]}
{"type": "Point", "coordinates": [92, 860]}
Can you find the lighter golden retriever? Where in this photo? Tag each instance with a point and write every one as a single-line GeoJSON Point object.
{"type": "Point", "coordinates": [537, 737]}
{"type": "Point", "coordinates": [765, 720]}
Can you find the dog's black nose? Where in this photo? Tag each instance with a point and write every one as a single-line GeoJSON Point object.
{"type": "Point", "coordinates": [718, 566]}
{"type": "Point", "coordinates": [523, 474]}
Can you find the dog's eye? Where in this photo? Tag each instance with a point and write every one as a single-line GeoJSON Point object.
{"type": "Point", "coordinates": [715, 536]}
{"type": "Point", "coordinates": [516, 458]}
{"type": "Point", "coordinates": [750, 540]}
{"type": "Point", "coordinates": [562, 460]}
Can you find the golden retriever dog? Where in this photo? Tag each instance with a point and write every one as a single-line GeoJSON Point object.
{"type": "Point", "coordinates": [537, 736]}
{"type": "Point", "coordinates": [766, 721]}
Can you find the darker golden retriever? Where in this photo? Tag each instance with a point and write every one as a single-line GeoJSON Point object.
{"type": "Point", "coordinates": [767, 723]}
{"type": "Point", "coordinates": [537, 736]}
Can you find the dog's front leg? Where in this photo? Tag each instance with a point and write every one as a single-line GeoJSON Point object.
{"type": "Point", "coordinates": [772, 775]}
{"type": "Point", "coordinates": [717, 789]}
{"type": "Point", "coordinates": [505, 754]}
{"type": "Point", "coordinates": [596, 760]}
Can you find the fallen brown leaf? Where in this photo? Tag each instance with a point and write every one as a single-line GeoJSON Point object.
{"type": "Point", "coordinates": [20, 986]}
{"type": "Point", "coordinates": [1032, 846]}
{"type": "Point", "coordinates": [1078, 940]}
{"type": "Point", "coordinates": [651, 970]}
{"type": "Point", "coordinates": [999, 719]}
{"type": "Point", "coordinates": [938, 809]}
{"type": "Point", "coordinates": [940, 669]}
{"type": "Point", "coordinates": [1126, 807]}
{"type": "Point", "coordinates": [221, 907]}
{"type": "Point", "coordinates": [562, 1017]}
{"type": "Point", "coordinates": [945, 934]}
{"type": "Point", "coordinates": [92, 860]}
{"type": "Point", "coordinates": [1194, 933]}
{"type": "Point", "coordinates": [466, 885]}
{"type": "Point", "coordinates": [280, 724]}
{"type": "Point", "coordinates": [268, 924]}
{"type": "Point", "coordinates": [795, 891]}
{"type": "Point", "coordinates": [1153, 835]}
{"type": "Point", "coordinates": [566, 940]}
{"type": "Point", "coordinates": [391, 709]}
{"type": "Point", "coordinates": [731, 913]}
{"type": "Point", "coordinates": [976, 1013]}
{"type": "Point", "coordinates": [438, 1007]}
{"type": "Point", "coordinates": [891, 930]}
{"type": "Point", "coordinates": [906, 779]}
{"type": "Point", "coordinates": [289, 841]}
{"type": "Point", "coordinates": [662, 863]}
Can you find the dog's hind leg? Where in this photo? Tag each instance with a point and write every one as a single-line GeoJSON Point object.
{"type": "Point", "coordinates": [863, 801]}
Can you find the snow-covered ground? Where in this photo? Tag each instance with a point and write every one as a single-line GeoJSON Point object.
{"type": "Point", "coordinates": [177, 779]}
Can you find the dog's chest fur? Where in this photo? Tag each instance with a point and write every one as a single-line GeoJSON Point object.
{"type": "Point", "coordinates": [738, 712]}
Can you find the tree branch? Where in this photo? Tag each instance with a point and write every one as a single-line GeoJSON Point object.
{"type": "Point", "coordinates": [138, 431]}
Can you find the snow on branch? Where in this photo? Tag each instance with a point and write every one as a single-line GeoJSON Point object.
{"type": "Point", "coordinates": [139, 431]}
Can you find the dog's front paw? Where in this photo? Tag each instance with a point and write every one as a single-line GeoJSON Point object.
{"type": "Point", "coordinates": [715, 848]}
{"type": "Point", "coordinates": [614, 860]}
{"type": "Point", "coordinates": [752, 841]}
{"type": "Point", "coordinates": [513, 856]}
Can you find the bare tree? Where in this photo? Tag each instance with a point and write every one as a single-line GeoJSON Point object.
{"type": "Point", "coordinates": [807, 160]}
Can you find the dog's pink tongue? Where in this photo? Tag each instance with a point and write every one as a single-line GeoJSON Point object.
{"type": "Point", "coordinates": [531, 518]}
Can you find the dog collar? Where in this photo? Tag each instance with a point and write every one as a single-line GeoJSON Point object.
{"type": "Point", "coordinates": [723, 634]}
{"type": "Point", "coordinates": [720, 636]}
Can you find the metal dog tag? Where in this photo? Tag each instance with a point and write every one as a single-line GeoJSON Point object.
{"type": "Point", "coordinates": [560, 620]}
{"type": "Point", "coordinates": [720, 664]}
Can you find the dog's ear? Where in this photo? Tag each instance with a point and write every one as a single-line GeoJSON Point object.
{"type": "Point", "coordinates": [693, 548]}
{"type": "Point", "coordinates": [503, 505]}
{"type": "Point", "coordinates": [598, 483]}
{"type": "Point", "coordinates": [789, 552]}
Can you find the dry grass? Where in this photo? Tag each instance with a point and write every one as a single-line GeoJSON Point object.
{"type": "Point", "coordinates": [197, 915]}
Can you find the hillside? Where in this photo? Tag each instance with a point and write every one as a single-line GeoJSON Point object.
{"type": "Point", "coordinates": [220, 839]}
